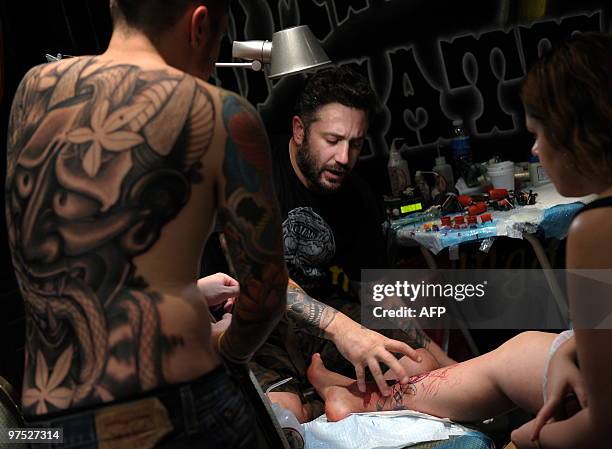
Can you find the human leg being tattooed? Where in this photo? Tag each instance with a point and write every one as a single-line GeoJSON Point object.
{"type": "Point", "coordinates": [272, 364]}
{"type": "Point", "coordinates": [476, 389]}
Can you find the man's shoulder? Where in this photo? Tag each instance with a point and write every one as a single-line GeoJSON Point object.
{"type": "Point", "coordinates": [98, 71]}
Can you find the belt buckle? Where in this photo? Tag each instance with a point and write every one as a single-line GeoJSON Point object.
{"type": "Point", "coordinates": [140, 424]}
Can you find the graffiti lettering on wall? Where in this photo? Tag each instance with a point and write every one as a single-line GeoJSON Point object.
{"type": "Point", "coordinates": [423, 82]}
{"type": "Point", "coordinates": [485, 68]}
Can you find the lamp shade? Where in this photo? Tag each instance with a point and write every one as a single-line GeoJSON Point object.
{"type": "Point", "coordinates": [295, 50]}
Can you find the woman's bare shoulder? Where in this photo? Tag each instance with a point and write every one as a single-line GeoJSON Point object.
{"type": "Point", "coordinates": [589, 241]}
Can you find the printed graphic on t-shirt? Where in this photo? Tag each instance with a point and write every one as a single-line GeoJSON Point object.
{"type": "Point", "coordinates": [309, 245]}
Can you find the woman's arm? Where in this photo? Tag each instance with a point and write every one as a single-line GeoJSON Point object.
{"type": "Point", "coordinates": [595, 359]}
{"type": "Point", "coordinates": [564, 378]}
{"type": "Point", "coordinates": [572, 433]}
{"type": "Point", "coordinates": [590, 248]}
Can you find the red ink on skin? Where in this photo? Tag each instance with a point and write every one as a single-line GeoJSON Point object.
{"type": "Point", "coordinates": [418, 378]}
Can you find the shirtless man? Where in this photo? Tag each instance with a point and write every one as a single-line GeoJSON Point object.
{"type": "Point", "coordinates": [117, 167]}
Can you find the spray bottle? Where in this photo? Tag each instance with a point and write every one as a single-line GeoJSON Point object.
{"type": "Point", "coordinates": [445, 170]}
{"type": "Point", "coordinates": [399, 174]}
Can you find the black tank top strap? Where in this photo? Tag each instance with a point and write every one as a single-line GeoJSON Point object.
{"type": "Point", "coordinates": [596, 204]}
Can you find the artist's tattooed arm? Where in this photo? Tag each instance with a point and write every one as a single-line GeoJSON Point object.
{"type": "Point", "coordinates": [316, 316]}
{"type": "Point", "coordinates": [312, 315]}
{"type": "Point", "coordinates": [360, 346]}
{"type": "Point", "coordinates": [251, 222]}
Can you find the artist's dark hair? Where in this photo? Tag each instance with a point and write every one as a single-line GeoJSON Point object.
{"type": "Point", "coordinates": [336, 85]}
{"type": "Point", "coordinates": [569, 91]}
{"type": "Point", "coordinates": [156, 16]}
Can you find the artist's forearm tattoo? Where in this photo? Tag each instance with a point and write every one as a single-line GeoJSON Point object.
{"type": "Point", "coordinates": [419, 386]}
{"type": "Point", "coordinates": [101, 157]}
{"type": "Point", "coordinates": [251, 221]}
{"type": "Point", "coordinates": [310, 314]}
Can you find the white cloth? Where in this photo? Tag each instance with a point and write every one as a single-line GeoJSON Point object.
{"type": "Point", "coordinates": [382, 430]}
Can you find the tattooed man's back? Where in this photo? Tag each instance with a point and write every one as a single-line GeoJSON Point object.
{"type": "Point", "coordinates": [116, 171]}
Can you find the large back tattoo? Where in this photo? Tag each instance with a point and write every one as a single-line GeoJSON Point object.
{"type": "Point", "coordinates": [100, 157]}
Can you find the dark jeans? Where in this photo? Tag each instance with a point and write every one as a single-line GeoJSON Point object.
{"type": "Point", "coordinates": [210, 412]}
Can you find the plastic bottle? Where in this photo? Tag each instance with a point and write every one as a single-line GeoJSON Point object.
{"type": "Point", "coordinates": [462, 149]}
{"type": "Point", "coordinates": [291, 426]}
{"type": "Point", "coordinates": [537, 175]}
{"type": "Point", "coordinates": [444, 169]}
{"type": "Point", "coordinates": [399, 174]}
{"type": "Point", "coordinates": [293, 430]}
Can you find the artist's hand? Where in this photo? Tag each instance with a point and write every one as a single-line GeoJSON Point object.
{"type": "Point", "coordinates": [564, 378]}
{"type": "Point", "coordinates": [364, 347]}
{"type": "Point", "coordinates": [218, 288]}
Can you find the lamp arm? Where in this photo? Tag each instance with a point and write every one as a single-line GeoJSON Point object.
{"type": "Point", "coordinates": [253, 65]}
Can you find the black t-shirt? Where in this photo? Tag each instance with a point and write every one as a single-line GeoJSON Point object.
{"type": "Point", "coordinates": [328, 238]}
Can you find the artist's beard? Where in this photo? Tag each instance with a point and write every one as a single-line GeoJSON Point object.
{"type": "Point", "coordinates": [307, 164]}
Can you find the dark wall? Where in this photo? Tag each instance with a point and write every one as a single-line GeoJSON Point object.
{"type": "Point", "coordinates": [429, 61]}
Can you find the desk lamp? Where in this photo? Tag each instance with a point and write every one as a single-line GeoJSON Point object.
{"type": "Point", "coordinates": [292, 50]}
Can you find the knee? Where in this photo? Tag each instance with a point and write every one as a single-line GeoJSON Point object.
{"type": "Point", "coordinates": [522, 339]}
{"type": "Point", "coordinates": [531, 337]}
{"type": "Point", "coordinates": [525, 343]}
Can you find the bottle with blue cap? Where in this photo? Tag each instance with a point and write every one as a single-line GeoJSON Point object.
{"type": "Point", "coordinates": [462, 149]}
